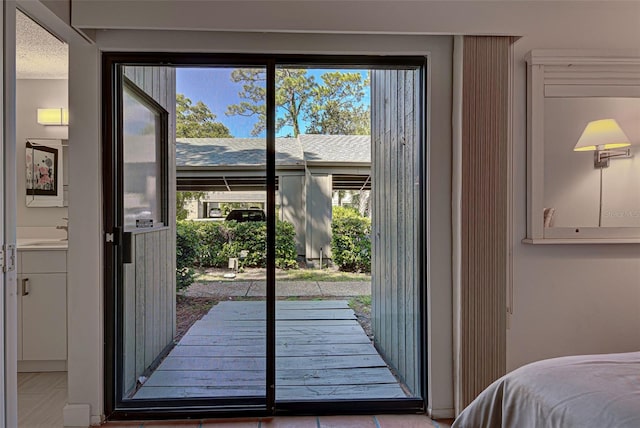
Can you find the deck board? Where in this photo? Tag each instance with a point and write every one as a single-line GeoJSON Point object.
{"type": "Point", "coordinates": [280, 340]}
{"type": "Point", "coordinates": [285, 350]}
{"type": "Point", "coordinates": [322, 353]}
{"type": "Point", "coordinates": [350, 376]}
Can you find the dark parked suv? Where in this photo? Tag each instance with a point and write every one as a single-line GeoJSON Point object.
{"type": "Point", "coordinates": [252, 214]}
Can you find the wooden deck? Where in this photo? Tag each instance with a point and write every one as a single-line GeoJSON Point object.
{"type": "Point", "coordinates": [322, 354]}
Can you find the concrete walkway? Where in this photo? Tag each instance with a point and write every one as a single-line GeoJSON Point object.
{"type": "Point", "coordinates": [222, 289]}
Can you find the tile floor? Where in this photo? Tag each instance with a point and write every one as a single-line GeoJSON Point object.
{"type": "Point", "coordinates": [377, 421]}
{"type": "Point", "coordinates": [42, 396]}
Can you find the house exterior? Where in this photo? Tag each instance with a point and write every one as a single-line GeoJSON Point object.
{"type": "Point", "coordinates": [562, 299]}
{"type": "Point", "coordinates": [308, 168]}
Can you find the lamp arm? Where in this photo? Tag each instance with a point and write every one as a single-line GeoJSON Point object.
{"type": "Point", "coordinates": [617, 153]}
{"type": "Point", "coordinates": [601, 157]}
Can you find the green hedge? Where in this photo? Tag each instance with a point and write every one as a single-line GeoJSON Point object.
{"type": "Point", "coordinates": [351, 240]}
{"type": "Point", "coordinates": [211, 244]}
{"type": "Point", "coordinates": [187, 248]}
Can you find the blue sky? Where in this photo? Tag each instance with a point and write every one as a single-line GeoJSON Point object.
{"type": "Point", "coordinates": [214, 87]}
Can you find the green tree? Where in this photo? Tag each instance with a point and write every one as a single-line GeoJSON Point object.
{"type": "Point", "coordinates": [253, 93]}
{"type": "Point", "coordinates": [293, 91]}
{"type": "Point", "coordinates": [194, 121]}
{"type": "Point", "coordinates": [336, 106]}
{"type": "Point", "coordinates": [181, 199]}
{"type": "Point", "coordinates": [197, 120]}
{"type": "Point", "coordinates": [333, 106]}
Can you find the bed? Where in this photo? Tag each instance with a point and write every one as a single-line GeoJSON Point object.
{"type": "Point", "coordinates": [600, 391]}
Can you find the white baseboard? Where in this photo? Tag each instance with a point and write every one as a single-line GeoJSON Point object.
{"type": "Point", "coordinates": [441, 413]}
{"type": "Point", "coordinates": [77, 415]}
{"type": "Point", "coordinates": [97, 420]}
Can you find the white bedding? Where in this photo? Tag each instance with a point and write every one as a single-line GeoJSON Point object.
{"type": "Point", "coordinates": [600, 391]}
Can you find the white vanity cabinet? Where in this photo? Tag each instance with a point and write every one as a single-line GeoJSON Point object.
{"type": "Point", "coordinates": [42, 309]}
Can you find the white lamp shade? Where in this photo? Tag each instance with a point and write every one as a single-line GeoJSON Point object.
{"type": "Point", "coordinates": [602, 134]}
{"type": "Point", "coordinates": [53, 116]}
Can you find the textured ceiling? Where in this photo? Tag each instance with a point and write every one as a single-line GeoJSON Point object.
{"type": "Point", "coordinates": [39, 55]}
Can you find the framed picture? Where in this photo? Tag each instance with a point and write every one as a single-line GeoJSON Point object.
{"type": "Point", "coordinates": [42, 170]}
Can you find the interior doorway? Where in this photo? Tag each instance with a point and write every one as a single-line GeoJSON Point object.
{"type": "Point", "coordinates": [274, 350]}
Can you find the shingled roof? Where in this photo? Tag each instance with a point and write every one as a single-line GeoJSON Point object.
{"type": "Point", "coordinates": [336, 148]}
{"type": "Point", "coordinates": [237, 152]}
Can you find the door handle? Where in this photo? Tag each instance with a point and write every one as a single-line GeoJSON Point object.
{"type": "Point", "coordinates": [127, 248]}
{"type": "Point", "coordinates": [25, 286]}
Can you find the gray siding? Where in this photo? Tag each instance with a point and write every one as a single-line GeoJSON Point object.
{"type": "Point", "coordinates": [149, 309]}
{"type": "Point", "coordinates": [318, 213]}
{"type": "Point", "coordinates": [395, 217]}
{"type": "Point", "coordinates": [292, 206]}
{"type": "Point", "coordinates": [149, 281]}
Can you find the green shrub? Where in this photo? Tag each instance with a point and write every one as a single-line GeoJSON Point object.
{"type": "Point", "coordinates": [211, 244]}
{"type": "Point", "coordinates": [250, 236]}
{"type": "Point", "coordinates": [187, 249]}
{"type": "Point", "coordinates": [285, 245]}
{"type": "Point", "coordinates": [351, 240]}
{"type": "Point", "coordinates": [213, 236]}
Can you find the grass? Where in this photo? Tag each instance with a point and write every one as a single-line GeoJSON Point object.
{"type": "Point", "coordinates": [321, 275]}
{"type": "Point", "coordinates": [326, 274]}
{"type": "Point", "coordinates": [360, 301]}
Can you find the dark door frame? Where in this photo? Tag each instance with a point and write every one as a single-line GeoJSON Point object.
{"type": "Point", "coordinates": [112, 81]}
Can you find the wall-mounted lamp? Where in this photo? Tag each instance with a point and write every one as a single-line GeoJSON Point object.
{"type": "Point", "coordinates": [606, 139]}
{"type": "Point", "coordinates": [53, 116]}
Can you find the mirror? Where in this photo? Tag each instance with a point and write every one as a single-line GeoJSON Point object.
{"type": "Point", "coordinates": [45, 173]}
{"type": "Point", "coordinates": [577, 193]}
{"type": "Point", "coordinates": [581, 187]}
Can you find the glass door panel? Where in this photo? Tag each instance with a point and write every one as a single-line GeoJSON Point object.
{"type": "Point", "coordinates": [330, 343]}
{"type": "Point", "coordinates": [198, 332]}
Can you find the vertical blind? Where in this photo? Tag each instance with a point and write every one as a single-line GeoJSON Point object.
{"type": "Point", "coordinates": [483, 216]}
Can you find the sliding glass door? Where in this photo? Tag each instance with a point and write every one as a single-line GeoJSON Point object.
{"type": "Point", "coordinates": [258, 212]}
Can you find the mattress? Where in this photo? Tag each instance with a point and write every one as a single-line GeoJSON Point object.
{"type": "Point", "coordinates": [600, 391]}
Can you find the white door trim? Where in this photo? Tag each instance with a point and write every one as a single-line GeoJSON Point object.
{"type": "Point", "coordinates": [9, 308]}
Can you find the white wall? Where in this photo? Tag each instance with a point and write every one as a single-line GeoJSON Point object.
{"type": "Point", "coordinates": [440, 49]}
{"type": "Point", "coordinates": [61, 8]}
{"type": "Point", "coordinates": [570, 299]}
{"type": "Point", "coordinates": [85, 276]}
{"type": "Point", "coordinates": [567, 299]}
{"type": "Point", "coordinates": [32, 94]}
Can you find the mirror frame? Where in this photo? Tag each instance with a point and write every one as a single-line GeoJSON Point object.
{"type": "Point", "coordinates": [571, 74]}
